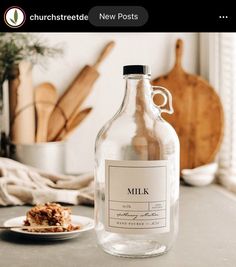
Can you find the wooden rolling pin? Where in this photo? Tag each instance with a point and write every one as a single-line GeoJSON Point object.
{"type": "Point", "coordinates": [73, 97]}
{"type": "Point", "coordinates": [21, 99]}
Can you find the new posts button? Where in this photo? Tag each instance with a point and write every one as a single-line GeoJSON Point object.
{"type": "Point", "coordinates": [118, 16]}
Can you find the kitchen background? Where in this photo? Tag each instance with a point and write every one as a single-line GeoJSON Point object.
{"type": "Point", "coordinates": [213, 56]}
{"type": "Point", "coordinates": [156, 50]}
{"type": "Point", "coordinates": [210, 55]}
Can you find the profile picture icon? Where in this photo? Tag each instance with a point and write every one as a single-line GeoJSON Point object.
{"type": "Point", "coordinates": [14, 17]}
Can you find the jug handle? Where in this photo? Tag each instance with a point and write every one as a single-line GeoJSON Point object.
{"type": "Point", "coordinates": [166, 106]}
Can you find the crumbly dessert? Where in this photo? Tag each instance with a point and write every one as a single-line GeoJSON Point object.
{"type": "Point", "coordinates": [50, 214]}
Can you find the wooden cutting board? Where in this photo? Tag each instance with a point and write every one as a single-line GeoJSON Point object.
{"type": "Point", "coordinates": [198, 114]}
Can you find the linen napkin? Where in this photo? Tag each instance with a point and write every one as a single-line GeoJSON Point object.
{"type": "Point", "coordinates": [21, 184]}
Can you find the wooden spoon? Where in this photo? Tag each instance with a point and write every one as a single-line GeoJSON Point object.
{"type": "Point", "coordinates": [45, 100]}
{"type": "Point", "coordinates": [73, 124]}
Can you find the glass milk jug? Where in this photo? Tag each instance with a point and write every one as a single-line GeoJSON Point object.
{"type": "Point", "coordinates": [137, 173]}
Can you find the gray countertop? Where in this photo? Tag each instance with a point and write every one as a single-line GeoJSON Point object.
{"type": "Point", "coordinates": [207, 237]}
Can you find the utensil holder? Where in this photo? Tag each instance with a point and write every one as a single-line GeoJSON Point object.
{"type": "Point", "coordinates": [48, 156]}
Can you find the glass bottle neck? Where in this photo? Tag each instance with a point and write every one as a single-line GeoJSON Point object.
{"type": "Point", "coordinates": [137, 94]}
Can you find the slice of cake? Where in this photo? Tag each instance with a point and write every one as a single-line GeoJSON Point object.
{"type": "Point", "coordinates": [50, 214]}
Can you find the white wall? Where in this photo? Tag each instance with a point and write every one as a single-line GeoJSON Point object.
{"type": "Point", "coordinates": [156, 50]}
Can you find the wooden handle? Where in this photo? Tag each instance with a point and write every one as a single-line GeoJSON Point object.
{"type": "Point", "coordinates": [21, 98]}
{"type": "Point", "coordinates": [78, 119]}
{"type": "Point", "coordinates": [45, 96]}
{"type": "Point", "coordinates": [75, 114]}
{"type": "Point", "coordinates": [42, 127]}
{"type": "Point", "coordinates": [73, 124]}
{"type": "Point", "coordinates": [71, 100]}
{"type": "Point", "coordinates": [105, 52]}
{"type": "Point", "coordinates": [178, 53]}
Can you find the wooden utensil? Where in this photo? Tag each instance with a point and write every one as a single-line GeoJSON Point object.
{"type": "Point", "coordinates": [21, 107]}
{"type": "Point", "coordinates": [76, 93]}
{"type": "Point", "coordinates": [45, 100]}
{"type": "Point", "coordinates": [73, 123]}
{"type": "Point", "coordinates": [198, 114]}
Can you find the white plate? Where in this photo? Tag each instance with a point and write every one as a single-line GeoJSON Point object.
{"type": "Point", "coordinates": [85, 222]}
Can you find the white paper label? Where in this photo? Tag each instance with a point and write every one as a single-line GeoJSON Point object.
{"type": "Point", "coordinates": [137, 197]}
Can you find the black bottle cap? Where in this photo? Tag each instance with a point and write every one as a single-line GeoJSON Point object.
{"type": "Point", "coordinates": [136, 69]}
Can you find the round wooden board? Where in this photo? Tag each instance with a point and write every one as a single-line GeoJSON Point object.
{"type": "Point", "coordinates": [198, 114]}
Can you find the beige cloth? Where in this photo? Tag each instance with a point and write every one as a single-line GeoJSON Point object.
{"type": "Point", "coordinates": [21, 184]}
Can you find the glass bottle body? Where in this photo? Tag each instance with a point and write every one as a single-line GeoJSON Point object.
{"type": "Point", "coordinates": [136, 133]}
